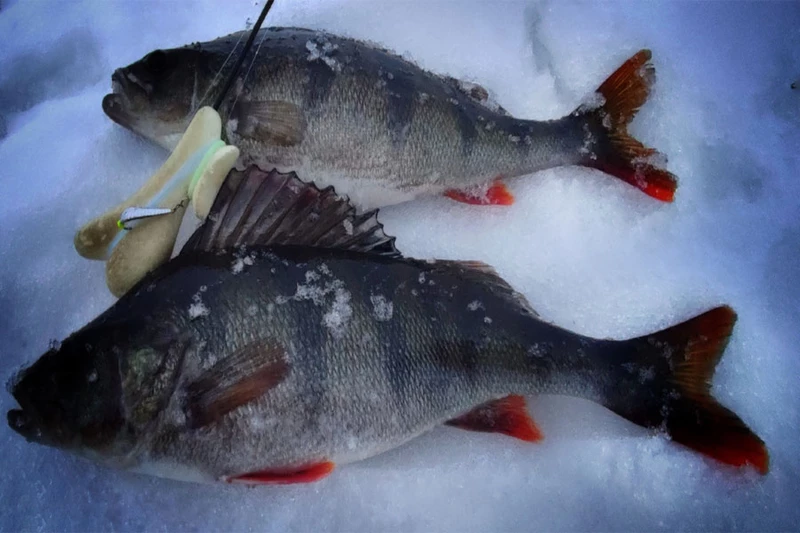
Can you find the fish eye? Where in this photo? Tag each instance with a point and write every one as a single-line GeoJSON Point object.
{"type": "Point", "coordinates": [156, 61]}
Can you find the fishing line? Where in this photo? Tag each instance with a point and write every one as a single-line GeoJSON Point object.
{"type": "Point", "coordinates": [247, 74]}
{"type": "Point", "coordinates": [240, 61]}
{"type": "Point", "coordinates": [219, 72]}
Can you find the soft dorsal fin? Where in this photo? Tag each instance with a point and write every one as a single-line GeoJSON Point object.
{"type": "Point", "coordinates": [480, 272]}
{"type": "Point", "coordinates": [254, 207]}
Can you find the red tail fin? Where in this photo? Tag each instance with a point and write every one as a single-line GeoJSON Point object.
{"type": "Point", "coordinates": [690, 414]}
{"type": "Point", "coordinates": [619, 154]}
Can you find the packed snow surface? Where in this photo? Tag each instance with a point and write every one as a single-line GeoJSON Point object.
{"type": "Point", "coordinates": [590, 253]}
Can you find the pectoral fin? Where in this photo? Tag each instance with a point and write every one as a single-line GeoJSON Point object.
{"type": "Point", "coordinates": [240, 378]}
{"type": "Point", "coordinates": [273, 121]}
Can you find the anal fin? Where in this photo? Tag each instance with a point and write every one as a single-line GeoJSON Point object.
{"type": "Point", "coordinates": [507, 415]}
{"type": "Point", "coordinates": [306, 474]}
{"type": "Point", "coordinates": [496, 194]}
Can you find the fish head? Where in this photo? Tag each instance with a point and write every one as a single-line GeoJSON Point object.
{"type": "Point", "coordinates": [157, 96]}
{"type": "Point", "coordinates": [97, 394]}
{"type": "Point", "coordinates": [70, 397]}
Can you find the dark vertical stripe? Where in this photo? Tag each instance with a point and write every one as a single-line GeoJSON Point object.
{"type": "Point", "coordinates": [306, 320]}
{"type": "Point", "coordinates": [399, 336]}
{"type": "Point", "coordinates": [519, 133]}
{"type": "Point", "coordinates": [400, 103]}
{"type": "Point", "coordinates": [466, 126]}
{"type": "Point", "coordinates": [468, 358]}
{"type": "Point", "coordinates": [320, 82]}
{"type": "Point", "coordinates": [465, 115]}
{"type": "Point", "coordinates": [399, 368]}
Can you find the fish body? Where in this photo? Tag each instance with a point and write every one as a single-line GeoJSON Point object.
{"type": "Point", "coordinates": [380, 129]}
{"type": "Point", "coordinates": [246, 358]}
{"type": "Point", "coordinates": [369, 365]}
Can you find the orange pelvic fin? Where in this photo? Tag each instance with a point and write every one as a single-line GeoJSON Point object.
{"type": "Point", "coordinates": [307, 474]}
{"type": "Point", "coordinates": [507, 415]}
{"type": "Point", "coordinates": [496, 194]}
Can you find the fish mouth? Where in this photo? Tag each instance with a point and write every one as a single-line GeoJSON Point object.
{"type": "Point", "coordinates": [114, 108]}
{"type": "Point", "coordinates": [25, 420]}
{"type": "Point", "coordinates": [20, 422]}
{"type": "Point", "coordinates": [117, 104]}
{"type": "Point", "coordinates": [18, 419]}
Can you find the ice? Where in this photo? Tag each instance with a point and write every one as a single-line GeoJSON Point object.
{"type": "Point", "coordinates": [324, 290]}
{"type": "Point", "coordinates": [336, 318]}
{"type": "Point", "coordinates": [381, 307]}
{"type": "Point", "coordinates": [314, 51]}
{"type": "Point", "coordinates": [589, 252]}
{"type": "Point", "coordinates": [348, 226]}
{"type": "Point", "coordinates": [242, 258]}
{"type": "Point", "coordinates": [323, 50]}
{"type": "Point", "coordinates": [474, 305]}
{"type": "Point", "coordinates": [197, 308]}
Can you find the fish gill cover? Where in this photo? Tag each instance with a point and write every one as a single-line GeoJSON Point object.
{"type": "Point", "coordinates": [592, 255]}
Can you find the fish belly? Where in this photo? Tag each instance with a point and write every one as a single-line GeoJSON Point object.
{"type": "Point", "coordinates": [364, 191]}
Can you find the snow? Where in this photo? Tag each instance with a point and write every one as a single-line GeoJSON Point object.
{"type": "Point", "coordinates": [321, 49]}
{"type": "Point", "coordinates": [323, 289]}
{"type": "Point", "coordinates": [197, 308]}
{"type": "Point", "coordinates": [382, 309]}
{"type": "Point", "coordinates": [590, 253]}
{"type": "Point", "coordinates": [242, 259]}
{"type": "Point", "coordinates": [337, 317]}
{"type": "Point", "coordinates": [474, 305]}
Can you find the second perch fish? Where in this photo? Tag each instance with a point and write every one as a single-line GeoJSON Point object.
{"type": "Point", "coordinates": [379, 128]}
{"type": "Point", "coordinates": [249, 359]}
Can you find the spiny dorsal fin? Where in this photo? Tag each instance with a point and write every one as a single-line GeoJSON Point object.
{"type": "Point", "coordinates": [476, 92]}
{"type": "Point", "coordinates": [480, 272]}
{"type": "Point", "coordinates": [254, 207]}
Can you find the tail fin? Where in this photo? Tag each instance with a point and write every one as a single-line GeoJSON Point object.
{"type": "Point", "coordinates": [673, 370]}
{"type": "Point", "coordinates": [618, 153]}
